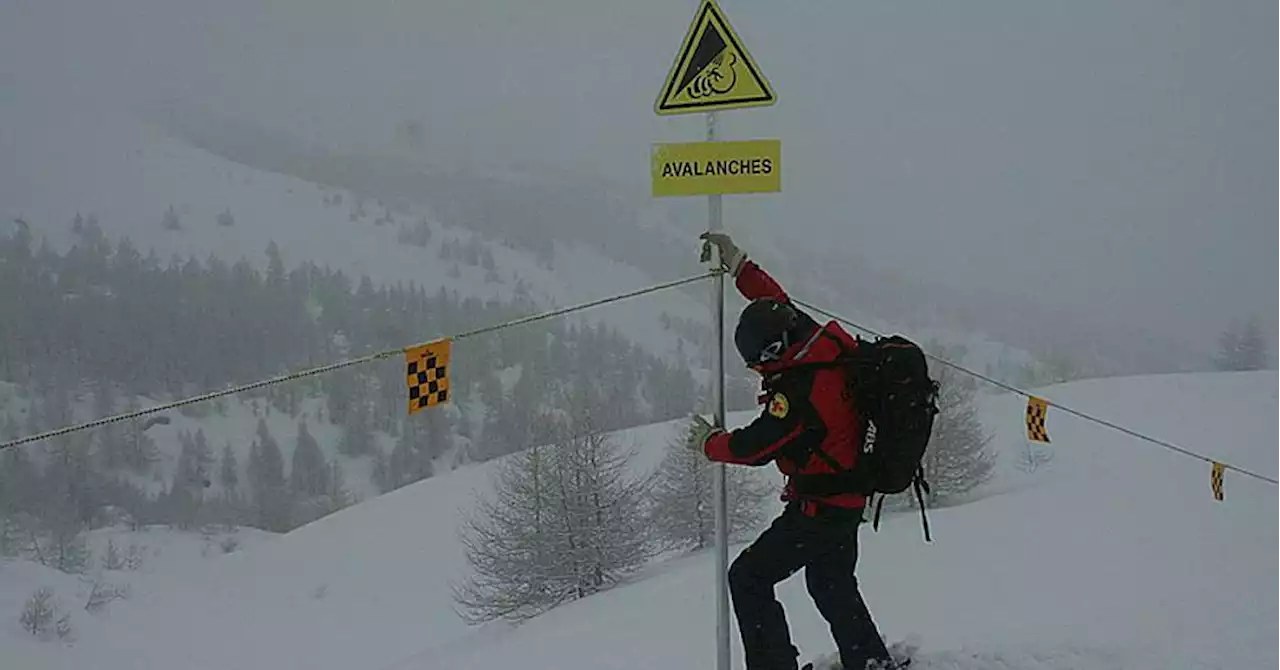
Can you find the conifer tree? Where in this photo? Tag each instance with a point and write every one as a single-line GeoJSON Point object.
{"type": "Point", "coordinates": [957, 459]}
{"type": "Point", "coordinates": [562, 525]}
{"type": "Point", "coordinates": [309, 474]}
{"type": "Point", "coordinates": [683, 511]}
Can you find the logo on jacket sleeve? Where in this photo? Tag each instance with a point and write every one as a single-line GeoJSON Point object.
{"type": "Point", "coordinates": [778, 406]}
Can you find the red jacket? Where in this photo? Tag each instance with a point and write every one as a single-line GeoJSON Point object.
{"type": "Point", "coordinates": [808, 423]}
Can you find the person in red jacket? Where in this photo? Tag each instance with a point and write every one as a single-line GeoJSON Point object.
{"type": "Point", "coordinates": [811, 431]}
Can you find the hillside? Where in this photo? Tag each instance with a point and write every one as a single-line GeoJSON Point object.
{"type": "Point", "coordinates": [100, 161]}
{"type": "Point", "coordinates": [487, 236]}
{"type": "Point", "coordinates": [234, 428]}
{"type": "Point", "coordinates": [89, 166]}
{"type": "Point", "coordinates": [81, 166]}
{"type": "Point", "coordinates": [1100, 560]}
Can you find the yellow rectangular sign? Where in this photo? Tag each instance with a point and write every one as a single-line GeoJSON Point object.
{"type": "Point", "coordinates": [707, 168]}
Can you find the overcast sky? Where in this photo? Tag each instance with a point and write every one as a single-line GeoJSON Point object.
{"type": "Point", "coordinates": [1118, 157]}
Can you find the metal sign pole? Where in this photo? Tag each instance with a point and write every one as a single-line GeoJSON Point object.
{"type": "Point", "coordinates": [715, 222]}
{"type": "Point", "coordinates": [714, 71]}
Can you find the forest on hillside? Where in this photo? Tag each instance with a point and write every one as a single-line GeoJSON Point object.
{"type": "Point", "coordinates": [103, 324]}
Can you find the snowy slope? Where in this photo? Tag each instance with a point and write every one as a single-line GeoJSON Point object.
{"type": "Point", "coordinates": [18, 581]}
{"type": "Point", "coordinates": [65, 154]}
{"type": "Point", "coordinates": [149, 558]}
{"type": "Point", "coordinates": [387, 561]}
{"type": "Point", "coordinates": [1115, 556]}
{"type": "Point", "coordinates": [69, 156]}
{"type": "Point", "coordinates": [236, 428]}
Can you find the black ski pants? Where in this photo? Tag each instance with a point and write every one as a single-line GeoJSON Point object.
{"type": "Point", "coordinates": [826, 546]}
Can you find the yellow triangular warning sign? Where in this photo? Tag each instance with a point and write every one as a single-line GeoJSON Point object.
{"type": "Point", "coordinates": [713, 71]}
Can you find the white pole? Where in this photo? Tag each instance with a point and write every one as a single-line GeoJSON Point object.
{"type": "Point", "coordinates": [715, 222]}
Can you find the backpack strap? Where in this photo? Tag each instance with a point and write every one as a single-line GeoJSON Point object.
{"type": "Point", "coordinates": [921, 487]}
{"type": "Point", "coordinates": [921, 483]}
{"type": "Point", "coordinates": [841, 479]}
{"type": "Point", "coordinates": [875, 525]}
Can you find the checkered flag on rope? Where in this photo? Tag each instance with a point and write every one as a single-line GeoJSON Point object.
{"type": "Point", "coordinates": [427, 373]}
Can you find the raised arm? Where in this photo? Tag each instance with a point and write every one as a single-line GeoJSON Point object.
{"type": "Point", "coordinates": [752, 281]}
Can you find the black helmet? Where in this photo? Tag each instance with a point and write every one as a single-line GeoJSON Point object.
{"type": "Point", "coordinates": [764, 330]}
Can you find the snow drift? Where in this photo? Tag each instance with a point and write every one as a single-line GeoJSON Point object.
{"type": "Point", "coordinates": [1113, 556]}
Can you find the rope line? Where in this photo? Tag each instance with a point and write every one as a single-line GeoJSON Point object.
{"type": "Point", "coordinates": [588, 305]}
{"type": "Point", "coordinates": [1103, 422]}
{"type": "Point", "coordinates": [195, 399]}
{"type": "Point", "coordinates": [390, 353]}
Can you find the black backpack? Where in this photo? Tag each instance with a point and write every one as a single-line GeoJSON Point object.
{"type": "Point", "coordinates": [897, 400]}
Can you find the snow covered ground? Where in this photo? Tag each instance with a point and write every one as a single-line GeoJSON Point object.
{"type": "Point", "coordinates": [144, 561]}
{"type": "Point", "coordinates": [1116, 557]}
{"type": "Point", "coordinates": [236, 428]}
{"type": "Point", "coordinates": [78, 157]}
{"type": "Point", "coordinates": [1113, 556]}
{"type": "Point", "coordinates": [70, 154]}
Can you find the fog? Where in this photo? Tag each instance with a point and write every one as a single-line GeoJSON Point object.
{"type": "Point", "coordinates": [1112, 162]}
{"type": "Point", "coordinates": [222, 221]}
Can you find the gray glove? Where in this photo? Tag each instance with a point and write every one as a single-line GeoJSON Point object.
{"type": "Point", "coordinates": [700, 431]}
{"type": "Point", "coordinates": [731, 257]}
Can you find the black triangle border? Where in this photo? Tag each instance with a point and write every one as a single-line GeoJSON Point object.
{"type": "Point", "coordinates": [687, 53]}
